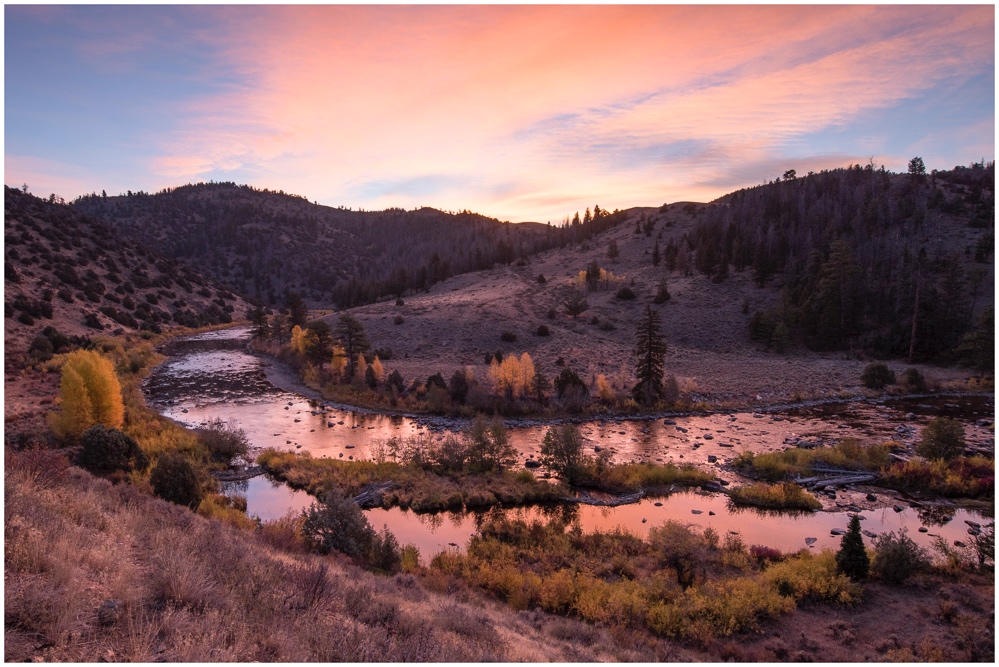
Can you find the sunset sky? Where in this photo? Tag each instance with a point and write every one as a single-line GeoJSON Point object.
{"type": "Point", "coordinates": [523, 113]}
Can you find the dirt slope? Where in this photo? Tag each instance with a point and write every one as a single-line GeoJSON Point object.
{"type": "Point", "coordinates": [710, 353]}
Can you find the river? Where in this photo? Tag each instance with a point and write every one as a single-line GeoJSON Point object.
{"type": "Point", "coordinates": [212, 375]}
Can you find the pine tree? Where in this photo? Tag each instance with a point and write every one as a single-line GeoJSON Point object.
{"type": "Point", "coordinates": [651, 351]}
{"type": "Point", "coordinates": [656, 257]}
{"type": "Point", "coordinates": [612, 251]}
{"type": "Point", "coordinates": [575, 303]}
{"type": "Point", "coordinates": [852, 559]}
{"type": "Point", "coordinates": [350, 334]}
{"type": "Point", "coordinates": [297, 312]}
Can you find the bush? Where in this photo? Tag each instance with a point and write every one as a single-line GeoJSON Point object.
{"type": "Point", "coordinates": [567, 380]}
{"type": "Point", "coordinates": [385, 555]}
{"type": "Point", "coordinates": [543, 330]}
{"type": "Point", "coordinates": [662, 293]}
{"type": "Point", "coordinates": [913, 381]}
{"type": "Point", "coordinates": [852, 559]}
{"type": "Point", "coordinates": [942, 438]}
{"type": "Point", "coordinates": [41, 348]}
{"type": "Point", "coordinates": [508, 337]}
{"type": "Point", "coordinates": [877, 376]}
{"type": "Point", "coordinates": [562, 451]}
{"type": "Point", "coordinates": [410, 560]}
{"type": "Point", "coordinates": [395, 380]}
{"type": "Point", "coordinates": [625, 294]}
{"type": "Point", "coordinates": [399, 319]}
{"type": "Point", "coordinates": [175, 479]}
{"type": "Point", "coordinates": [106, 450]}
{"type": "Point", "coordinates": [224, 442]}
{"type": "Point", "coordinates": [897, 557]}
{"type": "Point", "coordinates": [541, 279]}
{"type": "Point", "coordinates": [336, 523]}
{"type": "Point", "coordinates": [458, 386]}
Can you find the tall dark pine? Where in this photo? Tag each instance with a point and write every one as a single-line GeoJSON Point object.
{"type": "Point", "coordinates": [852, 559]}
{"type": "Point", "coordinates": [650, 348]}
{"type": "Point", "coordinates": [350, 334]}
{"type": "Point", "coordinates": [297, 312]}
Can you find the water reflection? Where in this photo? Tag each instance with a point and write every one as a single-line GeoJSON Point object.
{"type": "Point", "coordinates": [781, 530]}
{"type": "Point", "coordinates": [212, 375]}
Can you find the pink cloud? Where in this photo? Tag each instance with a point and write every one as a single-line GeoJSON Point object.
{"type": "Point", "coordinates": [339, 96]}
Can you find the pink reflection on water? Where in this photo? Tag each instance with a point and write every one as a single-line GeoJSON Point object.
{"type": "Point", "coordinates": [783, 531]}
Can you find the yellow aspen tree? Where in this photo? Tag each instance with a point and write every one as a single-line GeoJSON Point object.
{"type": "Point", "coordinates": [103, 388]}
{"type": "Point", "coordinates": [604, 389]}
{"type": "Point", "coordinates": [510, 370]}
{"type": "Point", "coordinates": [362, 366]}
{"type": "Point", "coordinates": [525, 374]}
{"type": "Point", "coordinates": [496, 376]}
{"type": "Point", "coordinates": [77, 414]}
{"type": "Point", "coordinates": [339, 362]}
{"type": "Point", "coordinates": [89, 394]}
{"type": "Point", "coordinates": [298, 340]}
{"type": "Point", "coordinates": [376, 368]}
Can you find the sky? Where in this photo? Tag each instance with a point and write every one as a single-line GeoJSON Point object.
{"type": "Point", "coordinates": [517, 112]}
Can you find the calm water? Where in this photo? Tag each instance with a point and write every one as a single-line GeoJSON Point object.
{"type": "Point", "coordinates": [211, 375]}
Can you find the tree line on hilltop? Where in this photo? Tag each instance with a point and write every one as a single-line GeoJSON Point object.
{"type": "Point", "coordinates": [266, 245]}
{"type": "Point", "coordinates": [896, 264]}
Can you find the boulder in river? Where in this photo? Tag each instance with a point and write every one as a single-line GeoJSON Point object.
{"type": "Point", "coordinates": [696, 511]}
{"type": "Point", "coordinates": [837, 531]}
{"type": "Point", "coordinates": [531, 463]}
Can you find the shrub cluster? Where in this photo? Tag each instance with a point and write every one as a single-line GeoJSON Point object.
{"type": "Point", "coordinates": [223, 441]}
{"type": "Point", "coordinates": [877, 376]}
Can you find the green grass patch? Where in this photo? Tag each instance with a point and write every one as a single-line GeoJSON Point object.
{"type": "Point", "coordinates": [784, 496]}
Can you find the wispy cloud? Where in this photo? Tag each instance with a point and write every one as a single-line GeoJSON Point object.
{"type": "Point", "coordinates": [531, 112]}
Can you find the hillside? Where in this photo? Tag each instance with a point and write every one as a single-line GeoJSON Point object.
{"type": "Point", "coordinates": [70, 271]}
{"type": "Point", "coordinates": [710, 319]}
{"type": "Point", "coordinates": [264, 244]}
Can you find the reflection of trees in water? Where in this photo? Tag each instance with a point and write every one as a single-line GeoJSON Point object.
{"type": "Point", "coordinates": [431, 521]}
{"type": "Point", "coordinates": [238, 488]}
{"type": "Point", "coordinates": [935, 515]}
{"type": "Point", "coordinates": [764, 512]}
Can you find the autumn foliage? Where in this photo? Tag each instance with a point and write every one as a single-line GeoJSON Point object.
{"type": "Point", "coordinates": [89, 394]}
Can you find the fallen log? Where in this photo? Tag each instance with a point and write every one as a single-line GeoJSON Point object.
{"type": "Point", "coordinates": [586, 499]}
{"type": "Point", "coordinates": [372, 495]}
{"type": "Point", "coordinates": [843, 481]}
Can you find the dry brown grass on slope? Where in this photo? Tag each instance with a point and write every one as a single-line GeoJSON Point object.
{"type": "Point", "coordinates": [190, 589]}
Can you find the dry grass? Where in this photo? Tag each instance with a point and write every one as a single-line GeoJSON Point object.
{"type": "Point", "coordinates": [784, 496]}
{"type": "Point", "coordinates": [193, 589]}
